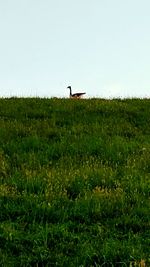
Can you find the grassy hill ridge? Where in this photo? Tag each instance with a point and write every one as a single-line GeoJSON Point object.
{"type": "Point", "coordinates": [75, 182]}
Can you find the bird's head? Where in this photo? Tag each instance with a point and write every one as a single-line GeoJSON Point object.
{"type": "Point", "coordinates": [69, 87]}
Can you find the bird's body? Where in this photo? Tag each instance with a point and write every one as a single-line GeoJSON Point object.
{"type": "Point", "coordinates": [76, 95]}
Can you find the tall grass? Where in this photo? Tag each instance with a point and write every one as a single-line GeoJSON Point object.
{"type": "Point", "coordinates": [75, 182]}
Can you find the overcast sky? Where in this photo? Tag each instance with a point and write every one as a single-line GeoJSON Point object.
{"type": "Point", "coordinates": [101, 47]}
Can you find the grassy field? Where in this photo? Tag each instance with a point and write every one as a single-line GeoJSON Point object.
{"type": "Point", "coordinates": [75, 182]}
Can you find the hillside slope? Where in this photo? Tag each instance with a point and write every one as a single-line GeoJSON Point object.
{"type": "Point", "coordinates": [75, 182]}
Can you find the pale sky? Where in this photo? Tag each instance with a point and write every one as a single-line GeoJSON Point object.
{"type": "Point", "coordinates": [101, 47]}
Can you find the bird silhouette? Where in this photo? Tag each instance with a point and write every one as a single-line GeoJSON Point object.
{"type": "Point", "coordinates": [76, 95]}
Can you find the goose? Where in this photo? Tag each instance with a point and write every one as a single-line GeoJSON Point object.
{"type": "Point", "coordinates": [76, 95]}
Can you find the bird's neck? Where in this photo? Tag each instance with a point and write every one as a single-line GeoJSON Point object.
{"type": "Point", "coordinates": [70, 91]}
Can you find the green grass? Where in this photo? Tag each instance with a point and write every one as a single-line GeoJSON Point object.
{"type": "Point", "coordinates": [75, 182]}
